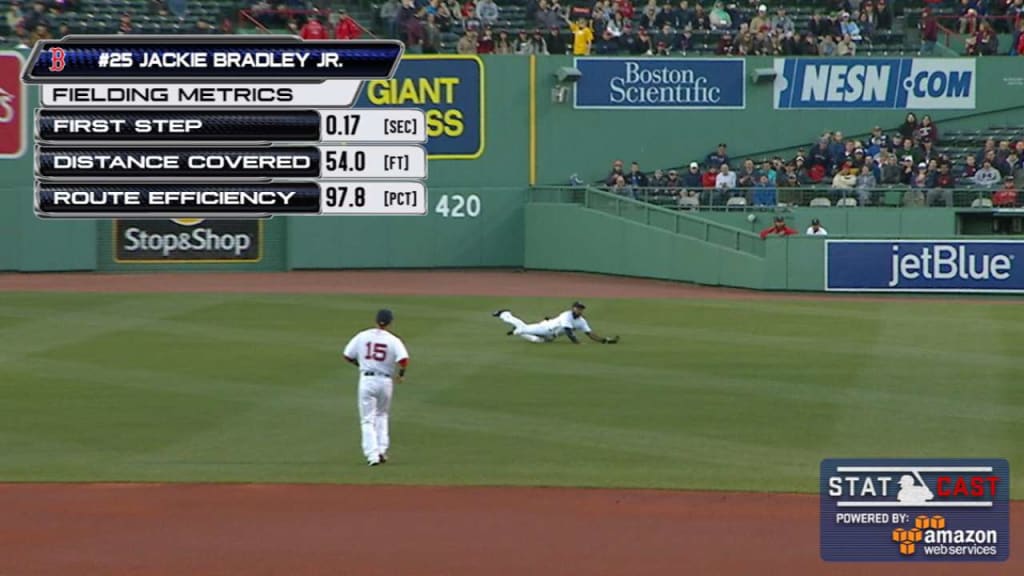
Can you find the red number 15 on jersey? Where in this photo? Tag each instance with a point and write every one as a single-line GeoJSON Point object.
{"type": "Point", "coordinates": [376, 351]}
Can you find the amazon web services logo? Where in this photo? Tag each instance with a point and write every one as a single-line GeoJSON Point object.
{"type": "Point", "coordinates": [915, 510]}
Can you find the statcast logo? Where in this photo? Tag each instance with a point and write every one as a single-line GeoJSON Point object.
{"type": "Point", "coordinates": [200, 239]}
{"type": "Point", "coordinates": [663, 85]}
{"type": "Point", "coordinates": [948, 262]}
{"type": "Point", "coordinates": [7, 107]}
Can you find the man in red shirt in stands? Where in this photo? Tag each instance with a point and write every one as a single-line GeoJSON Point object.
{"type": "Point", "coordinates": [347, 28]}
{"type": "Point", "coordinates": [779, 228]}
{"type": "Point", "coordinates": [314, 30]}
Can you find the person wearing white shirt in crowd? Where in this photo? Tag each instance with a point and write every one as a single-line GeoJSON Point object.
{"type": "Point", "coordinates": [726, 179]}
{"type": "Point", "coordinates": [816, 229]}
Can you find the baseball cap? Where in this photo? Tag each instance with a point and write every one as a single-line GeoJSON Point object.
{"type": "Point", "coordinates": [384, 317]}
{"type": "Point", "coordinates": [578, 304]}
{"type": "Point", "coordinates": [780, 219]}
{"type": "Point", "coordinates": [815, 222]}
{"type": "Point", "coordinates": [694, 165]}
{"type": "Point", "coordinates": [922, 165]}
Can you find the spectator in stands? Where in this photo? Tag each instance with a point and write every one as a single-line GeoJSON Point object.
{"type": "Point", "coordinates": [819, 25]}
{"type": "Point", "coordinates": [719, 18]}
{"type": "Point", "coordinates": [748, 175]}
{"type": "Point", "coordinates": [347, 29]}
{"type": "Point", "coordinates": [671, 186]}
{"type": "Point", "coordinates": [1007, 195]}
{"type": "Point", "coordinates": [556, 41]}
{"type": "Point", "coordinates": [970, 168]}
{"type": "Point", "coordinates": [761, 22]}
{"type": "Point", "coordinates": [837, 148]}
{"type": "Point", "coordinates": [485, 43]}
{"type": "Point", "coordinates": [487, 12]}
{"type": "Point", "coordinates": [885, 15]}
{"type": "Point", "coordinates": [868, 21]}
{"type": "Point", "coordinates": [990, 145]}
{"type": "Point", "coordinates": [968, 19]}
{"type": "Point", "coordinates": [665, 40]}
{"type": "Point", "coordinates": [827, 46]}
{"type": "Point", "coordinates": [621, 188]}
{"type": "Point", "coordinates": [846, 47]}
{"type": "Point", "coordinates": [987, 40]}
{"type": "Point", "coordinates": [929, 27]}
{"type": "Point", "coordinates": [725, 46]}
{"type": "Point", "coordinates": [693, 179]}
{"type": "Point", "coordinates": [988, 176]}
{"type": "Point", "coordinates": [388, 15]}
{"type": "Point", "coordinates": [781, 23]}
{"type": "Point", "coordinates": [583, 36]}
{"type": "Point", "coordinates": [548, 15]}
{"type": "Point", "coordinates": [540, 46]}
{"type": "Point", "coordinates": [765, 193]}
{"type": "Point", "coordinates": [505, 45]}
{"type": "Point", "coordinates": [908, 130]}
{"type": "Point", "coordinates": [778, 228]}
{"type": "Point", "coordinates": [467, 44]}
{"type": "Point", "coordinates": [913, 151]}
{"type": "Point", "coordinates": [406, 13]}
{"type": "Point", "coordinates": [891, 171]}
{"type": "Point", "coordinates": [927, 130]}
{"type": "Point", "coordinates": [431, 35]}
{"type": "Point", "coordinates": [125, 25]}
{"type": "Point", "coordinates": [845, 180]}
{"type": "Point", "coordinates": [701, 18]}
{"type": "Point", "coordinates": [865, 184]}
{"type": "Point", "coordinates": [415, 35]}
{"type": "Point", "coordinates": [1018, 43]}
{"type": "Point", "coordinates": [636, 177]}
{"type": "Point", "coordinates": [615, 172]}
{"type": "Point", "coordinates": [943, 188]}
{"type": "Point", "coordinates": [816, 229]}
{"type": "Point", "coordinates": [849, 27]}
{"type": "Point", "coordinates": [718, 157]}
{"type": "Point", "coordinates": [649, 20]}
{"type": "Point", "coordinates": [725, 181]}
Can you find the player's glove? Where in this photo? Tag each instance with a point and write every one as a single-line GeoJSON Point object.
{"type": "Point", "coordinates": [612, 340]}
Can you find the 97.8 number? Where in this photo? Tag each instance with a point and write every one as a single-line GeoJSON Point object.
{"type": "Point", "coordinates": [336, 196]}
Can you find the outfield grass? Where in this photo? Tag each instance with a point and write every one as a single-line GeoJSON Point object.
{"type": "Point", "coordinates": [700, 394]}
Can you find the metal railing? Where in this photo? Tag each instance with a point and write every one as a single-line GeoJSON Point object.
{"type": "Point", "coordinates": [684, 223]}
{"type": "Point", "coordinates": [819, 196]}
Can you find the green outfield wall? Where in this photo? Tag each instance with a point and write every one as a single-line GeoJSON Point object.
{"type": "Point", "coordinates": [498, 131]}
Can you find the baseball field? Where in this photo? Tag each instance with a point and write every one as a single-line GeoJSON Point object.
{"type": "Point", "coordinates": [206, 423]}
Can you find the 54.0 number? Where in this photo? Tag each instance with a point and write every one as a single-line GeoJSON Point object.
{"type": "Point", "coordinates": [338, 160]}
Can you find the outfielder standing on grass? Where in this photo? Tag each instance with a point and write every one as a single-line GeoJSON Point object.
{"type": "Point", "coordinates": [382, 358]}
{"type": "Point", "coordinates": [568, 323]}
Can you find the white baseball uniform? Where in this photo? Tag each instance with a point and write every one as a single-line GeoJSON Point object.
{"type": "Point", "coordinates": [379, 354]}
{"type": "Point", "coordinates": [547, 330]}
{"type": "Point", "coordinates": [819, 232]}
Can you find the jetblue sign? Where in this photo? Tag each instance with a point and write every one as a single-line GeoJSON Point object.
{"type": "Point", "coordinates": [875, 83]}
{"type": "Point", "coordinates": [924, 266]}
{"type": "Point", "coordinates": [661, 83]}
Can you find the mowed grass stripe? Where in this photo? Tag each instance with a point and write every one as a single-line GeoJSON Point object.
{"type": "Point", "coordinates": [738, 395]}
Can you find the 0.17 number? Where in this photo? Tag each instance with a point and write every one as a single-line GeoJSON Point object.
{"type": "Point", "coordinates": [339, 160]}
{"type": "Point", "coordinates": [346, 125]}
{"type": "Point", "coordinates": [337, 195]}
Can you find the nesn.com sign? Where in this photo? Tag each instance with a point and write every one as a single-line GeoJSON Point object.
{"type": "Point", "coordinates": [924, 266]}
{"type": "Point", "coordinates": [879, 83]}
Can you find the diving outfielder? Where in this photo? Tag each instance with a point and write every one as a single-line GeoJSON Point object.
{"type": "Point", "coordinates": [382, 358]}
{"type": "Point", "coordinates": [569, 323]}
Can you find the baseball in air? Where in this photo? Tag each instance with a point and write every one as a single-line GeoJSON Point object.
{"type": "Point", "coordinates": [751, 217]}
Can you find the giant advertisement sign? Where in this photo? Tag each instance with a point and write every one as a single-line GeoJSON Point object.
{"type": "Point", "coordinates": [188, 240]}
{"type": "Point", "coordinates": [981, 266]}
{"type": "Point", "coordinates": [13, 106]}
{"type": "Point", "coordinates": [450, 90]}
{"type": "Point", "coordinates": [661, 83]}
{"type": "Point", "coordinates": [875, 83]}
